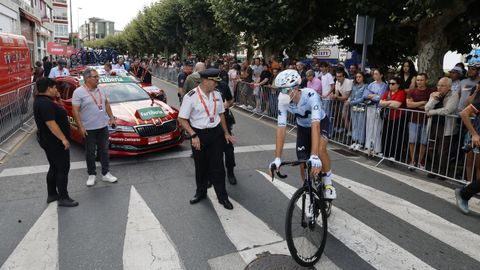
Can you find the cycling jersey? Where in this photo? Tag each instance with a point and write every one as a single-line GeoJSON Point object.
{"type": "Point", "coordinates": [307, 110]}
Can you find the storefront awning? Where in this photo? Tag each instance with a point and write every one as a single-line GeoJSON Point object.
{"type": "Point", "coordinates": [29, 16]}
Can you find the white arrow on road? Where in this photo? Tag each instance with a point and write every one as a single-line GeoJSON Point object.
{"type": "Point", "coordinates": [147, 244]}
{"type": "Point", "coordinates": [39, 248]}
{"type": "Point", "coordinates": [370, 245]}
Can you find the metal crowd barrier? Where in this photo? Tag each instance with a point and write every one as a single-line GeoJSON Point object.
{"type": "Point", "coordinates": [435, 145]}
{"type": "Point", "coordinates": [168, 74]}
{"type": "Point", "coordinates": [16, 109]}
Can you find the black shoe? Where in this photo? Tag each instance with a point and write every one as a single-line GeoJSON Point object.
{"type": "Point", "coordinates": [227, 204]}
{"type": "Point", "coordinates": [232, 179]}
{"type": "Point", "coordinates": [197, 198]}
{"type": "Point", "coordinates": [52, 198]}
{"type": "Point", "coordinates": [67, 202]}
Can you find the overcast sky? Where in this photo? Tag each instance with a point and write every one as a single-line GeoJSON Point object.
{"type": "Point", "coordinates": [119, 11]}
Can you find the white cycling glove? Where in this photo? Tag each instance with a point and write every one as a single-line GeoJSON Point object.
{"type": "Point", "coordinates": [315, 161]}
{"type": "Point", "coordinates": [277, 162]}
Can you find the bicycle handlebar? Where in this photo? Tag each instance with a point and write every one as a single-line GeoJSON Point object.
{"type": "Point", "coordinates": [288, 163]}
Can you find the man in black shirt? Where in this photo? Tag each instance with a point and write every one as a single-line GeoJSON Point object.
{"type": "Point", "coordinates": [227, 98]}
{"type": "Point", "coordinates": [187, 70]}
{"type": "Point", "coordinates": [53, 136]}
{"type": "Point", "coordinates": [47, 66]}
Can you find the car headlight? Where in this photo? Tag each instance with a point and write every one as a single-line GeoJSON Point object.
{"type": "Point", "coordinates": [124, 129]}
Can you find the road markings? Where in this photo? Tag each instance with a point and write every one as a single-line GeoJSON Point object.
{"type": "Point", "coordinates": [250, 235]}
{"type": "Point", "coordinates": [370, 245]}
{"type": "Point", "coordinates": [182, 154]}
{"type": "Point", "coordinates": [436, 190]}
{"type": "Point", "coordinates": [39, 248]}
{"type": "Point", "coordinates": [243, 228]}
{"type": "Point", "coordinates": [462, 240]}
{"type": "Point", "coordinates": [147, 244]}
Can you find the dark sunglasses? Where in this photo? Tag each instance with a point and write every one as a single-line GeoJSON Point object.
{"type": "Point", "coordinates": [392, 83]}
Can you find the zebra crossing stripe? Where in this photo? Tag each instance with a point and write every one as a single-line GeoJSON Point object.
{"type": "Point", "coordinates": [147, 244]}
{"type": "Point", "coordinates": [251, 236]}
{"type": "Point", "coordinates": [39, 248]}
{"type": "Point", "coordinates": [436, 190]}
{"type": "Point", "coordinates": [243, 228]}
{"type": "Point", "coordinates": [432, 224]}
{"type": "Point", "coordinates": [370, 245]}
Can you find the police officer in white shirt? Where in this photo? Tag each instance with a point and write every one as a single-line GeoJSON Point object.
{"type": "Point", "coordinates": [201, 115]}
{"type": "Point", "coordinates": [60, 70]}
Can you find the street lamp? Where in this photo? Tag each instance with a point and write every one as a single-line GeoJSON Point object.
{"type": "Point", "coordinates": [78, 27]}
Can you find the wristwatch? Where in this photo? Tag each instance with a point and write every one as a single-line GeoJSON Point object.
{"type": "Point", "coordinates": [194, 135]}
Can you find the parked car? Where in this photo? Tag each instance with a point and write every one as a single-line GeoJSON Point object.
{"type": "Point", "coordinates": [143, 124]}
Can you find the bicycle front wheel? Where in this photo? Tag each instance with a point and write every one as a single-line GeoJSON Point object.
{"type": "Point", "coordinates": [306, 227]}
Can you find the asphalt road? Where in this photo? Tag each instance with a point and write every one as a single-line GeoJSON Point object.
{"type": "Point", "coordinates": [384, 218]}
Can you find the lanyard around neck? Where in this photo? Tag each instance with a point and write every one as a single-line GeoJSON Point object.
{"type": "Point", "coordinates": [93, 97]}
{"type": "Point", "coordinates": [205, 105]}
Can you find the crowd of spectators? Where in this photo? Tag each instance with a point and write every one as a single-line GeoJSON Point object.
{"type": "Point", "coordinates": [399, 114]}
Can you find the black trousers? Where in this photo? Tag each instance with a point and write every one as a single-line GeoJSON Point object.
{"type": "Point", "coordinates": [470, 190]}
{"type": "Point", "coordinates": [229, 155]}
{"type": "Point", "coordinates": [97, 139]}
{"type": "Point", "coordinates": [57, 176]}
{"type": "Point", "coordinates": [209, 161]}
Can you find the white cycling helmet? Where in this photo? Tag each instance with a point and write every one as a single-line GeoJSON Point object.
{"type": "Point", "coordinates": [287, 79]}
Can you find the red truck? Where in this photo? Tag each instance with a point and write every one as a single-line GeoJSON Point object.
{"type": "Point", "coordinates": [15, 72]}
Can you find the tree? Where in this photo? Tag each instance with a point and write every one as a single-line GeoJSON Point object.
{"type": "Point", "coordinates": [275, 25]}
{"type": "Point", "coordinates": [426, 29]}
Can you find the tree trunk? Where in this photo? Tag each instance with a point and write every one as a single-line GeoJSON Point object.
{"type": "Point", "coordinates": [432, 41]}
{"type": "Point", "coordinates": [431, 50]}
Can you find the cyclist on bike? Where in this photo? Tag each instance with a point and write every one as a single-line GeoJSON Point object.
{"type": "Point", "coordinates": [312, 127]}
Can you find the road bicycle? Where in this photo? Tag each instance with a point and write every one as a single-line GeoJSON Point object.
{"type": "Point", "coordinates": [306, 219]}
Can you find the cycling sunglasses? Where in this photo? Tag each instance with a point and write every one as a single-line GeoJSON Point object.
{"type": "Point", "coordinates": [284, 90]}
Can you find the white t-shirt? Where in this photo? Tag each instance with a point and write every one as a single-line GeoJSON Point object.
{"type": "Point", "coordinates": [327, 81]}
{"type": "Point", "coordinates": [345, 87]}
{"type": "Point", "coordinates": [55, 72]}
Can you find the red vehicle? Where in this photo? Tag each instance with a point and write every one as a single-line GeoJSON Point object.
{"type": "Point", "coordinates": [15, 71]}
{"type": "Point", "coordinates": [143, 124]}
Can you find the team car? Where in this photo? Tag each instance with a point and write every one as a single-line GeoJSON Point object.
{"type": "Point", "coordinates": [143, 124]}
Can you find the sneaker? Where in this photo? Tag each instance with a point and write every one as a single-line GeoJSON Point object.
{"type": "Point", "coordinates": [358, 147]}
{"type": "Point", "coordinates": [109, 178]}
{"type": "Point", "coordinates": [330, 193]}
{"type": "Point", "coordinates": [461, 203]}
{"type": "Point", "coordinates": [67, 202]}
{"type": "Point", "coordinates": [352, 147]}
{"type": "Point", "coordinates": [411, 166]}
{"type": "Point", "coordinates": [249, 107]}
{"type": "Point", "coordinates": [91, 180]}
{"type": "Point", "coordinates": [242, 106]}
{"type": "Point", "coordinates": [421, 166]}
{"type": "Point", "coordinates": [379, 154]}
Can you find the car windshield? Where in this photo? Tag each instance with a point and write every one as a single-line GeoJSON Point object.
{"type": "Point", "coordinates": [122, 92]}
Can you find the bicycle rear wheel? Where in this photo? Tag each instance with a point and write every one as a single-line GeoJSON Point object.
{"type": "Point", "coordinates": [306, 227]}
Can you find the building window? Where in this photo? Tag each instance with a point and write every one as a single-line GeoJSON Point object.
{"type": "Point", "coordinates": [61, 30]}
{"type": "Point", "coordinates": [60, 13]}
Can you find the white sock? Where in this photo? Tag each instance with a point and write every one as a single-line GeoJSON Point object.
{"type": "Point", "coordinates": [327, 179]}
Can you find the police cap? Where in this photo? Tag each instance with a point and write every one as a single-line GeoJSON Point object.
{"type": "Point", "coordinates": [211, 74]}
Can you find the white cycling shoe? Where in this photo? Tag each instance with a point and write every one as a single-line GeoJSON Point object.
{"type": "Point", "coordinates": [330, 193]}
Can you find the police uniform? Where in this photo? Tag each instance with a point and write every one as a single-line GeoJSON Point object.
{"type": "Point", "coordinates": [229, 150]}
{"type": "Point", "coordinates": [203, 113]}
